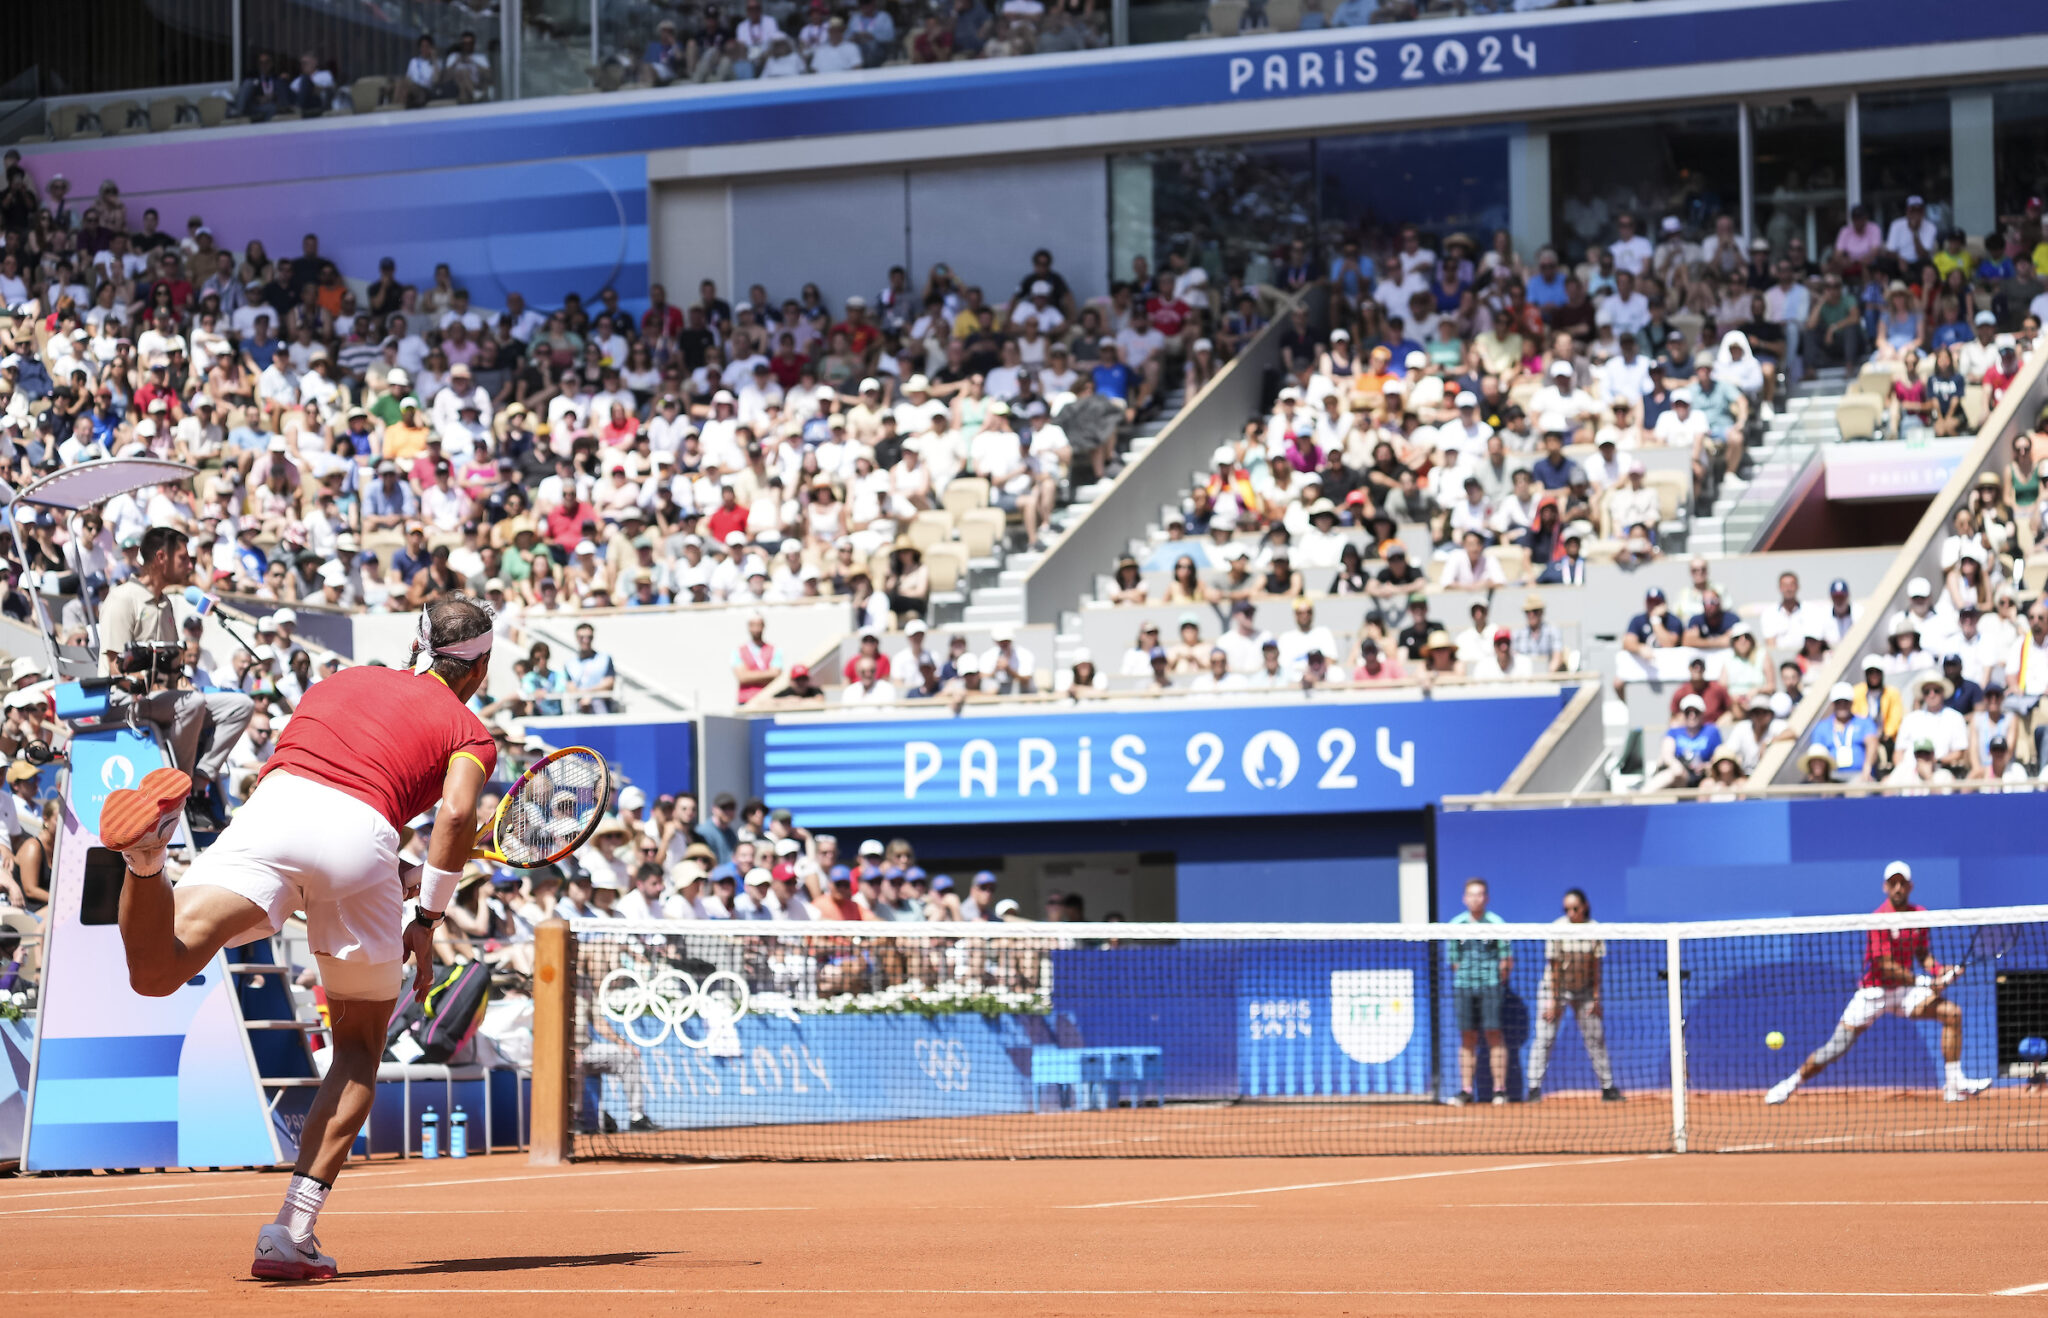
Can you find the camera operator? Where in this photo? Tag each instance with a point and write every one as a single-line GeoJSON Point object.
{"type": "Point", "coordinates": [138, 611]}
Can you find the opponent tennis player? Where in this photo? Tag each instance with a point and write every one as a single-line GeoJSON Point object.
{"type": "Point", "coordinates": [367, 750]}
{"type": "Point", "coordinates": [1900, 978]}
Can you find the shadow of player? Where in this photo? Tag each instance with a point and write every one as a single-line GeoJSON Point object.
{"type": "Point", "coordinates": [504, 1263]}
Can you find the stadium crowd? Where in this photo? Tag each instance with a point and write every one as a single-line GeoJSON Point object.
{"type": "Point", "coordinates": [660, 859]}
{"type": "Point", "coordinates": [374, 445]}
{"type": "Point", "coordinates": [1473, 421]}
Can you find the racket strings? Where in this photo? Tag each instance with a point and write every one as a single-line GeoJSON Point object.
{"type": "Point", "coordinates": [552, 808]}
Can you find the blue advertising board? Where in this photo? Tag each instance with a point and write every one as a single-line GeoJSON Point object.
{"type": "Point", "coordinates": [1566, 43]}
{"type": "Point", "coordinates": [655, 755]}
{"type": "Point", "coordinates": [1745, 859]}
{"type": "Point", "coordinates": [831, 1068]}
{"type": "Point", "coordinates": [1291, 758]}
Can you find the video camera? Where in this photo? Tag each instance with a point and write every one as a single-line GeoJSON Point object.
{"type": "Point", "coordinates": [157, 663]}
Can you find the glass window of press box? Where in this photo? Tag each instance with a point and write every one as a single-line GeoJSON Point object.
{"type": "Point", "coordinates": [1251, 210]}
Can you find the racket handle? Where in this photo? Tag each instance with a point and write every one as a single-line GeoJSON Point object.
{"type": "Point", "coordinates": [1947, 977]}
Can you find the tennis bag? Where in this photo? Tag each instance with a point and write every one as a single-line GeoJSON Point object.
{"type": "Point", "coordinates": [441, 1023]}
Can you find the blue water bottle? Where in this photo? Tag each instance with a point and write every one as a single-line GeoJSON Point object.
{"type": "Point", "coordinates": [430, 1135]}
{"type": "Point", "coordinates": [458, 1134]}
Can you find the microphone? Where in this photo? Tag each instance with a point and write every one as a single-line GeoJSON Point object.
{"type": "Point", "coordinates": [203, 603]}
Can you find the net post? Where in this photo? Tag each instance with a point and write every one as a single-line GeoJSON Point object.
{"type": "Point", "coordinates": [1674, 997]}
{"type": "Point", "coordinates": [554, 976]}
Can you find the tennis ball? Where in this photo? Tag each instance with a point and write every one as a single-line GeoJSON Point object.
{"type": "Point", "coordinates": [1774, 1041]}
{"type": "Point", "coordinates": [2034, 1048]}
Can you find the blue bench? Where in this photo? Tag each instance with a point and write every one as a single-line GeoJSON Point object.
{"type": "Point", "coordinates": [1099, 1073]}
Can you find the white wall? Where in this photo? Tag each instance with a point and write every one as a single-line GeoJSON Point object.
{"type": "Point", "coordinates": [987, 220]}
{"type": "Point", "coordinates": [839, 231]}
{"type": "Point", "coordinates": [689, 238]}
{"type": "Point", "coordinates": [688, 653]}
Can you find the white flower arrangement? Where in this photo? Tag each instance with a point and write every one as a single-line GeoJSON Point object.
{"type": "Point", "coordinates": [913, 997]}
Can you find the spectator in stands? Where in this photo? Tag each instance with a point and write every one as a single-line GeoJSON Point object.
{"type": "Point", "coordinates": [1687, 749]}
{"type": "Point", "coordinates": [1932, 721]}
{"type": "Point", "coordinates": [754, 664]}
{"type": "Point", "coordinates": [1849, 741]}
{"type": "Point", "coordinates": [1539, 640]}
{"type": "Point", "coordinates": [262, 94]}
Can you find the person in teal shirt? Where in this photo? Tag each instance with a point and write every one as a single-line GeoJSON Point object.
{"type": "Point", "coordinates": [542, 685]}
{"type": "Point", "coordinates": [1479, 985]}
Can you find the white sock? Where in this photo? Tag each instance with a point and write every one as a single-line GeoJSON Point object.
{"type": "Point", "coordinates": [146, 860]}
{"type": "Point", "coordinates": [303, 1200]}
{"type": "Point", "coordinates": [1955, 1073]}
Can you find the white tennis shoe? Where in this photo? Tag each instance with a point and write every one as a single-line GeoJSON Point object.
{"type": "Point", "coordinates": [1964, 1089]}
{"type": "Point", "coordinates": [1782, 1090]}
{"type": "Point", "coordinates": [280, 1258]}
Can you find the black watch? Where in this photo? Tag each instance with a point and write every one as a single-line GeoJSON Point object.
{"type": "Point", "coordinates": [424, 920]}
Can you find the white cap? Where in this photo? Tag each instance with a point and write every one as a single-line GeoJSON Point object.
{"type": "Point", "coordinates": [1899, 868]}
{"type": "Point", "coordinates": [1911, 202]}
{"type": "Point", "coordinates": [917, 384]}
{"type": "Point", "coordinates": [871, 383]}
{"type": "Point", "coordinates": [1417, 361]}
{"type": "Point", "coordinates": [1692, 702]}
{"type": "Point", "coordinates": [283, 616]}
{"type": "Point", "coordinates": [915, 627]}
{"type": "Point", "coordinates": [1918, 588]}
{"type": "Point", "coordinates": [967, 663]}
{"type": "Point", "coordinates": [723, 396]}
{"type": "Point", "coordinates": [758, 877]}
{"type": "Point", "coordinates": [632, 798]}
{"type": "Point", "coordinates": [788, 846]}
{"type": "Point", "coordinates": [1671, 224]}
{"type": "Point", "coordinates": [1841, 691]}
{"type": "Point", "coordinates": [1001, 632]}
{"type": "Point", "coordinates": [1553, 422]}
{"type": "Point", "coordinates": [585, 547]}
{"type": "Point", "coordinates": [1225, 455]}
{"type": "Point", "coordinates": [333, 574]}
{"type": "Point", "coordinates": [1560, 368]}
{"type": "Point", "coordinates": [1466, 398]}
{"type": "Point", "coordinates": [1781, 705]}
{"type": "Point", "coordinates": [1871, 661]}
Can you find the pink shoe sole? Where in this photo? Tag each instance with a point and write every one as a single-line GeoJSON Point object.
{"type": "Point", "coordinates": [131, 815]}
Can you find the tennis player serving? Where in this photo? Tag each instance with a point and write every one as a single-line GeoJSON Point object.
{"type": "Point", "coordinates": [1900, 978]}
{"type": "Point", "coordinates": [367, 750]}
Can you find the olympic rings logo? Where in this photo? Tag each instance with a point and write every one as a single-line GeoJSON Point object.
{"type": "Point", "coordinates": [672, 999]}
{"type": "Point", "coordinates": [945, 1061]}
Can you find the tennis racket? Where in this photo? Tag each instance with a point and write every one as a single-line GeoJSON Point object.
{"type": "Point", "coordinates": [554, 808]}
{"type": "Point", "coordinates": [1989, 943]}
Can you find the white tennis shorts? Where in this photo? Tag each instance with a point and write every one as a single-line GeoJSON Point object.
{"type": "Point", "coordinates": [302, 846]}
{"type": "Point", "coordinates": [1871, 1003]}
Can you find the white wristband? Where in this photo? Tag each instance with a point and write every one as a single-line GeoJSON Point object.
{"type": "Point", "coordinates": [437, 887]}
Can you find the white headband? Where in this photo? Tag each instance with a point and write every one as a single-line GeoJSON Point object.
{"type": "Point", "coordinates": [476, 647]}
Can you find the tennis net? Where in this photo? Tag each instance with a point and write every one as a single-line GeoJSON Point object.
{"type": "Point", "coordinates": [722, 1040]}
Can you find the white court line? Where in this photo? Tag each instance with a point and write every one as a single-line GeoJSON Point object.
{"type": "Point", "coordinates": [1763, 1203]}
{"type": "Point", "coordinates": [2038, 1288]}
{"type": "Point", "coordinates": [403, 1185]}
{"type": "Point", "coordinates": [1368, 1180]}
{"type": "Point", "coordinates": [1931, 1130]}
{"type": "Point", "coordinates": [151, 1181]}
{"type": "Point", "coordinates": [339, 1290]}
{"type": "Point", "coordinates": [89, 1214]}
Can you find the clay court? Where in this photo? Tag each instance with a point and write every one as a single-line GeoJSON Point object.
{"type": "Point", "coordinates": [1757, 1233]}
